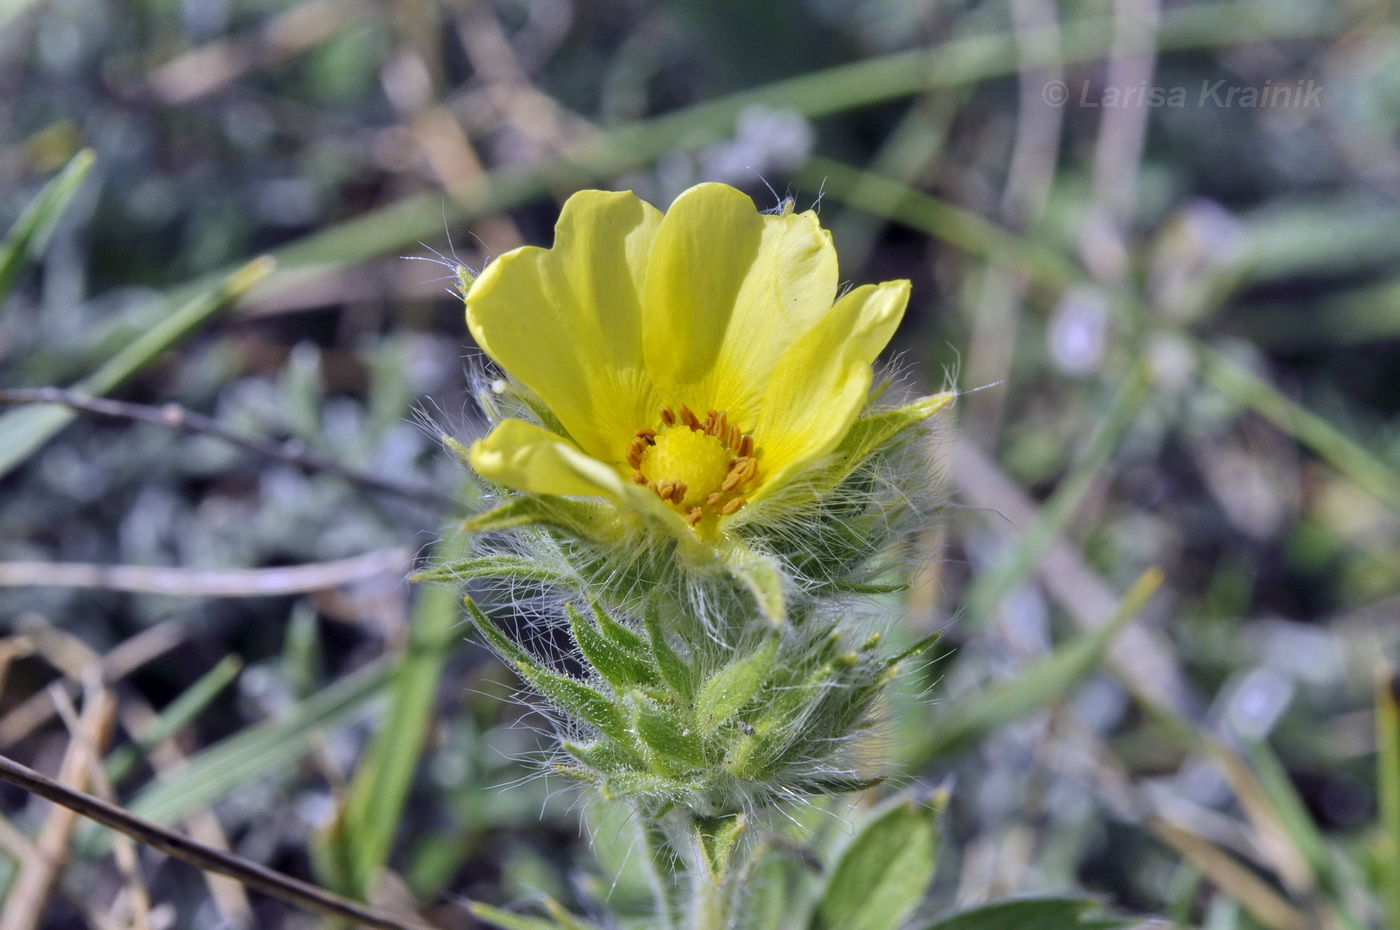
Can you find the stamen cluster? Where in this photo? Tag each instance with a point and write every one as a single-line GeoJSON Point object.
{"type": "Point", "coordinates": [712, 486]}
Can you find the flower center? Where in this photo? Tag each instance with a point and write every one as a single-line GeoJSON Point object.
{"type": "Point", "coordinates": [700, 467]}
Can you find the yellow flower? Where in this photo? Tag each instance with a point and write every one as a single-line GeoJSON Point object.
{"type": "Point", "coordinates": [697, 361]}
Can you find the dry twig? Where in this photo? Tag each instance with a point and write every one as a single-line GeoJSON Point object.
{"type": "Point", "coordinates": [258, 877]}
{"type": "Point", "coordinates": [176, 416]}
{"type": "Point", "coordinates": [251, 582]}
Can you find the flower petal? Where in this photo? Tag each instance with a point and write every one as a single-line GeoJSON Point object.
{"type": "Point", "coordinates": [727, 292]}
{"type": "Point", "coordinates": [529, 458]}
{"type": "Point", "coordinates": [822, 381]}
{"type": "Point", "coordinates": [567, 321]}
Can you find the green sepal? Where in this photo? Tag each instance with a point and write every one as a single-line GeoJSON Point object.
{"type": "Point", "coordinates": [673, 749]}
{"type": "Point", "coordinates": [733, 686]}
{"type": "Point", "coordinates": [623, 668]}
{"type": "Point", "coordinates": [919, 645]}
{"type": "Point", "coordinates": [514, 567]}
{"type": "Point", "coordinates": [569, 695]}
{"type": "Point", "coordinates": [672, 667]}
{"type": "Point", "coordinates": [821, 785]}
{"type": "Point", "coordinates": [856, 587]}
{"type": "Point", "coordinates": [460, 450]}
{"type": "Point", "coordinates": [882, 874]}
{"type": "Point", "coordinates": [761, 574]}
{"type": "Point", "coordinates": [871, 432]}
{"type": "Point", "coordinates": [579, 518]}
{"type": "Point", "coordinates": [717, 838]}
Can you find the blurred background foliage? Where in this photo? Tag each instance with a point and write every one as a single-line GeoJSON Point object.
{"type": "Point", "coordinates": [1177, 326]}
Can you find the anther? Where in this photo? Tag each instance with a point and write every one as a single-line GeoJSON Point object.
{"type": "Point", "coordinates": [665, 489]}
{"type": "Point", "coordinates": [634, 457]}
{"type": "Point", "coordinates": [638, 478]}
{"type": "Point", "coordinates": [694, 515]}
{"type": "Point", "coordinates": [721, 425]}
{"type": "Point", "coordinates": [687, 417]}
{"type": "Point", "coordinates": [731, 481]}
{"type": "Point", "coordinates": [750, 469]}
{"type": "Point", "coordinates": [733, 505]}
{"type": "Point", "coordinates": [678, 493]}
{"type": "Point", "coordinates": [668, 416]}
{"type": "Point", "coordinates": [714, 499]}
{"type": "Point", "coordinates": [746, 446]}
{"type": "Point", "coordinates": [734, 437]}
{"type": "Point", "coordinates": [648, 435]}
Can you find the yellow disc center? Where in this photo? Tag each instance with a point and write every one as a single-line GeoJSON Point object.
{"type": "Point", "coordinates": [685, 456]}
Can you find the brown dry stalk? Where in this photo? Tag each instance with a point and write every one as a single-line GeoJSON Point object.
{"type": "Point", "coordinates": [38, 874]}
{"type": "Point", "coordinates": [260, 878]}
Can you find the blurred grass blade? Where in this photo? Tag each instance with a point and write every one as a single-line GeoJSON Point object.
{"type": "Point", "coordinates": [955, 63]}
{"type": "Point", "coordinates": [176, 716]}
{"type": "Point", "coordinates": [506, 920]}
{"type": "Point", "coordinates": [1043, 682]}
{"type": "Point", "coordinates": [1326, 441]}
{"type": "Point", "coordinates": [883, 874]}
{"type": "Point", "coordinates": [962, 229]}
{"type": "Point", "coordinates": [1388, 788]}
{"type": "Point", "coordinates": [260, 751]}
{"type": "Point", "coordinates": [30, 233]}
{"type": "Point", "coordinates": [24, 430]}
{"type": "Point", "coordinates": [1020, 558]}
{"type": "Point", "coordinates": [361, 839]}
{"type": "Point", "coordinates": [1302, 831]}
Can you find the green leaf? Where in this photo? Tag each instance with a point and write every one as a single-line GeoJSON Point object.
{"type": "Point", "coordinates": [30, 233]}
{"type": "Point", "coordinates": [883, 874]}
{"type": "Point", "coordinates": [622, 666]}
{"type": "Point", "coordinates": [568, 694]}
{"type": "Point", "coordinates": [1035, 686]}
{"type": "Point", "coordinates": [23, 431]}
{"type": "Point", "coordinates": [679, 750]}
{"type": "Point", "coordinates": [732, 686]}
{"type": "Point", "coordinates": [673, 669]}
{"type": "Point", "coordinates": [1037, 913]}
{"type": "Point", "coordinates": [619, 633]}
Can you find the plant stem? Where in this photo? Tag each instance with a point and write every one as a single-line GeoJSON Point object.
{"type": "Point", "coordinates": [709, 908]}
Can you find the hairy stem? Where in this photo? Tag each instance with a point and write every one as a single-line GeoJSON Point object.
{"type": "Point", "coordinates": [709, 908]}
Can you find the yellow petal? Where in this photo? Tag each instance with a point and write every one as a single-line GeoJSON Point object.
{"type": "Point", "coordinates": [567, 321]}
{"type": "Point", "coordinates": [529, 458]}
{"type": "Point", "coordinates": [822, 381]}
{"type": "Point", "coordinates": [727, 292]}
